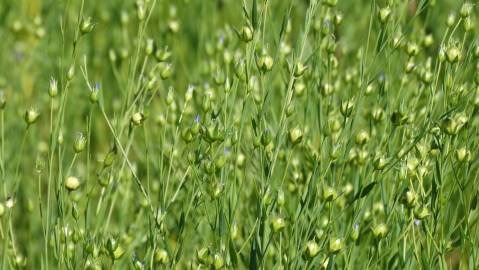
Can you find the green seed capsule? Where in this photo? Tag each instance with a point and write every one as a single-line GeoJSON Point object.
{"type": "Point", "coordinates": [335, 245]}
{"type": "Point", "coordinates": [161, 256]}
{"type": "Point", "coordinates": [384, 14]}
{"type": "Point", "coordinates": [295, 135]}
{"type": "Point", "coordinates": [265, 63]}
{"type": "Point", "coordinates": [218, 261]}
{"type": "Point", "coordinates": [312, 249]}
{"type": "Point", "coordinates": [86, 25]}
{"type": "Point", "coordinates": [329, 194]}
{"type": "Point", "coordinates": [421, 212]}
{"type": "Point", "coordinates": [246, 34]}
{"type": "Point", "coordinates": [355, 232]}
{"type": "Point", "coordinates": [278, 224]}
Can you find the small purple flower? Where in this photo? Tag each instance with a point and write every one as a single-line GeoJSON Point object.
{"type": "Point", "coordinates": [197, 118]}
{"type": "Point", "coordinates": [356, 226]}
{"type": "Point", "coordinates": [97, 86]}
{"type": "Point", "coordinates": [226, 150]}
{"type": "Point", "coordinates": [417, 222]}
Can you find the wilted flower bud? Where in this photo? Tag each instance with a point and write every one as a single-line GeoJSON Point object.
{"type": "Point", "coordinates": [80, 143]}
{"type": "Point", "coordinates": [53, 90]}
{"type": "Point", "coordinates": [31, 116]}
{"type": "Point", "coordinates": [72, 183]}
{"type": "Point", "coordinates": [166, 70]}
{"type": "Point", "coordinates": [466, 9]}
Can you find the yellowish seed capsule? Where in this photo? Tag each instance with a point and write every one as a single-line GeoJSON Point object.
{"type": "Point", "coordinates": [384, 14]}
{"type": "Point", "coordinates": [161, 256]}
{"type": "Point", "coordinates": [278, 224]}
{"type": "Point", "coordinates": [72, 183]}
{"type": "Point", "coordinates": [380, 230]}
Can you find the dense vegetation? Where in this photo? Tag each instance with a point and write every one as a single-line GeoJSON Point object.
{"type": "Point", "coordinates": [239, 134]}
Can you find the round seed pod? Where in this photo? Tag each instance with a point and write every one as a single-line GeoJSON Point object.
{"type": "Point", "coordinates": [72, 183]}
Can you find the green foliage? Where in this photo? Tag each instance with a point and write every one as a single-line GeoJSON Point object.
{"type": "Point", "coordinates": [239, 134]}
